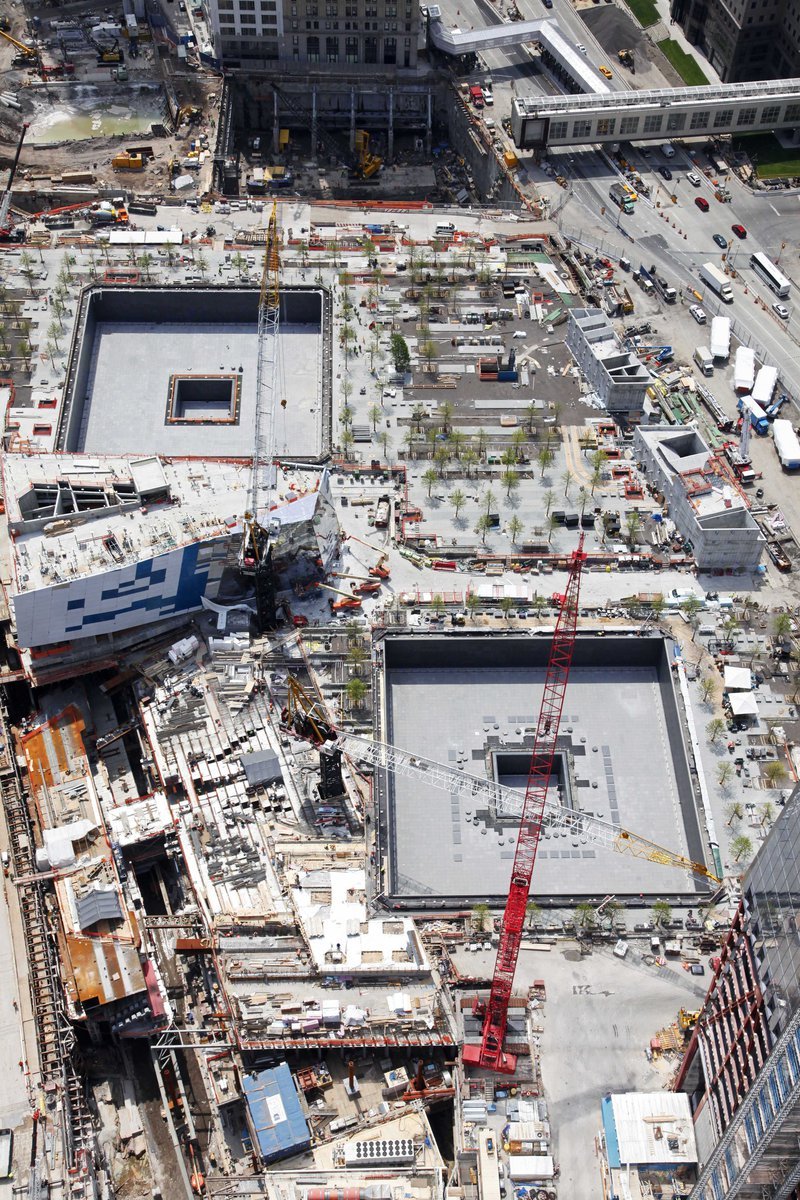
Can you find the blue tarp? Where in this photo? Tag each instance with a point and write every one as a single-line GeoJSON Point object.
{"type": "Point", "coordinates": [610, 1130]}
{"type": "Point", "coordinates": [275, 1114]}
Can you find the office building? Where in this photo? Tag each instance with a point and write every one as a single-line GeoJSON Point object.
{"type": "Point", "coordinates": [329, 35]}
{"type": "Point", "coordinates": [742, 1066]}
{"type": "Point", "coordinates": [744, 39]}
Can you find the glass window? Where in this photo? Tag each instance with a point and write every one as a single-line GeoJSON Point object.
{"type": "Point", "coordinates": [558, 130]}
{"type": "Point", "coordinates": [793, 112]}
{"type": "Point", "coordinates": [723, 117]}
{"type": "Point", "coordinates": [370, 49]}
{"type": "Point", "coordinates": [676, 121]}
{"type": "Point", "coordinates": [628, 126]}
{"type": "Point", "coordinates": [581, 128]}
{"type": "Point", "coordinates": [312, 49]}
{"type": "Point", "coordinates": [699, 119]}
{"type": "Point", "coordinates": [653, 123]}
{"type": "Point", "coordinates": [746, 117]}
{"type": "Point", "coordinates": [332, 49]}
{"type": "Point", "coordinates": [606, 125]}
{"type": "Point", "coordinates": [771, 114]}
{"type": "Point", "coordinates": [390, 51]}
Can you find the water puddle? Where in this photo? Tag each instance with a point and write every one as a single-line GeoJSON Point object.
{"type": "Point", "coordinates": [84, 112]}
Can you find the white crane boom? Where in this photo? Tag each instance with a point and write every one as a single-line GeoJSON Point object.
{"type": "Point", "coordinates": [506, 802]}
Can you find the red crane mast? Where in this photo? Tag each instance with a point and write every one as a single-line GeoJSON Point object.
{"type": "Point", "coordinates": [490, 1053]}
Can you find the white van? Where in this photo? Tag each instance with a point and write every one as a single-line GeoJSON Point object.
{"type": "Point", "coordinates": [704, 361]}
{"type": "Point", "coordinates": [444, 228]}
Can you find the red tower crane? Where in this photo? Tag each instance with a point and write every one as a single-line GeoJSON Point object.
{"type": "Point", "coordinates": [490, 1053]}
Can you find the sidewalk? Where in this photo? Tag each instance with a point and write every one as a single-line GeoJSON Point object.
{"type": "Point", "coordinates": [676, 33]}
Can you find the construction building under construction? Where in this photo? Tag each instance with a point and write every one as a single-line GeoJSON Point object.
{"type": "Point", "coordinates": [623, 716]}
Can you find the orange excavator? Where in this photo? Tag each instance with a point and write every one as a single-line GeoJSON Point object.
{"type": "Point", "coordinates": [348, 600]}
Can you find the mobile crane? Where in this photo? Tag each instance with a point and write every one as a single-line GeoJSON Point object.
{"type": "Point", "coordinates": [28, 53]}
{"type": "Point", "coordinates": [256, 549]}
{"type": "Point", "coordinates": [9, 232]}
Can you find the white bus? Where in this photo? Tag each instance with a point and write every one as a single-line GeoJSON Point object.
{"type": "Point", "coordinates": [772, 277]}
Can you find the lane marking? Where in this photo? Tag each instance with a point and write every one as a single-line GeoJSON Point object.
{"type": "Point", "coordinates": [774, 209]}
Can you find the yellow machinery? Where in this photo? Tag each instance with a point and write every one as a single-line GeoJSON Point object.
{"type": "Point", "coordinates": [368, 164]}
{"type": "Point", "coordinates": [20, 47]}
{"type": "Point", "coordinates": [127, 162]}
{"type": "Point", "coordinates": [687, 1020]}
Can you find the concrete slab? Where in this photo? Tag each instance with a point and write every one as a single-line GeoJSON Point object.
{"type": "Point", "coordinates": [628, 767]}
{"type": "Point", "coordinates": [128, 389]}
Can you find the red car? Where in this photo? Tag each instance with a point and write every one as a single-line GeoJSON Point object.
{"type": "Point", "coordinates": [739, 230]}
{"type": "Point", "coordinates": [701, 203]}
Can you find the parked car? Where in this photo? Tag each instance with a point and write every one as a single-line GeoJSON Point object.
{"type": "Point", "coordinates": [739, 230]}
{"type": "Point", "coordinates": [699, 314]}
{"type": "Point", "coordinates": [720, 240]}
{"type": "Point", "coordinates": [665, 172]}
{"type": "Point", "coordinates": [701, 203]}
{"type": "Point", "coordinates": [694, 179]}
{"type": "Point", "coordinates": [781, 310]}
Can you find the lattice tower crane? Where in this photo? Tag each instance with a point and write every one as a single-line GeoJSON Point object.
{"type": "Point", "coordinates": [490, 1052]}
{"type": "Point", "coordinates": [255, 552]}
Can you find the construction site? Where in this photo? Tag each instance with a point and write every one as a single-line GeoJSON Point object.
{"type": "Point", "coordinates": [375, 746]}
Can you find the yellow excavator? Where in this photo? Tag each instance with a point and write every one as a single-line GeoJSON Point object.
{"type": "Point", "coordinates": [368, 164]}
{"type": "Point", "coordinates": [26, 52]}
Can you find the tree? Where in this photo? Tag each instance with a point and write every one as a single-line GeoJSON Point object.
{"type": "Point", "coordinates": [519, 439]}
{"type": "Point", "coordinates": [25, 350]}
{"type": "Point", "coordinates": [530, 413]}
{"type": "Point", "coordinates": [661, 913]}
{"type": "Point", "coordinates": [597, 478]}
{"type": "Point", "coordinates": [489, 500]}
{"type": "Point", "coordinates": [532, 911]}
{"type": "Point", "coordinates": [346, 439]}
{"type": "Point", "coordinates": [691, 607]}
{"type": "Point", "coordinates": [767, 814]}
{"type": "Point", "coordinates": [354, 631]}
{"type": "Point", "coordinates": [715, 730]}
{"type": "Point", "coordinates": [567, 479]}
{"type": "Point", "coordinates": [26, 267]}
{"type": "Point", "coordinates": [552, 525]}
{"type": "Point", "coordinates": [356, 691]}
{"type": "Point", "coordinates": [632, 525]}
{"type": "Point", "coordinates": [438, 605]}
{"type": "Point", "coordinates": [585, 916]}
{"type": "Point", "coordinates": [52, 334]}
{"type": "Point", "coordinates": [733, 811]}
{"type": "Point", "coordinates": [481, 436]}
{"type": "Point", "coordinates": [544, 458]}
{"type": "Point", "coordinates": [510, 481]}
{"type": "Point", "coordinates": [400, 355]}
{"type": "Point", "coordinates": [456, 440]}
{"type": "Point", "coordinates": [724, 773]}
{"type": "Point", "coordinates": [483, 525]}
{"type": "Point", "coordinates": [480, 915]}
{"type": "Point", "coordinates": [50, 350]}
{"type": "Point", "coordinates": [458, 500]}
{"type": "Point", "coordinates": [346, 416]}
{"type": "Point", "coordinates": [386, 442]}
{"type": "Point", "coordinates": [610, 910]}
{"type": "Point", "coordinates": [657, 606]}
{"type": "Point", "coordinates": [375, 415]}
{"type": "Point", "coordinates": [469, 458]}
{"type": "Point", "coordinates": [356, 654]}
{"type": "Point", "coordinates": [429, 351]}
{"type": "Point", "coordinates": [429, 478]}
{"type": "Point", "coordinates": [441, 456]}
{"type": "Point", "coordinates": [782, 625]}
{"type": "Point", "coordinates": [515, 528]}
{"type": "Point", "coordinates": [202, 264]}
{"type": "Point", "coordinates": [741, 847]}
{"type": "Point", "coordinates": [506, 605]}
{"type": "Point", "coordinates": [583, 498]}
{"type": "Point", "coordinates": [775, 773]}
{"type": "Point", "coordinates": [549, 498]}
{"type": "Point", "coordinates": [59, 308]}
{"type": "Point", "coordinates": [472, 603]}
{"type": "Point", "coordinates": [145, 261]}
{"type": "Point", "coordinates": [707, 687]}
{"type": "Point", "coordinates": [446, 414]}
{"type": "Point", "coordinates": [538, 603]}
{"type": "Point", "coordinates": [346, 336]}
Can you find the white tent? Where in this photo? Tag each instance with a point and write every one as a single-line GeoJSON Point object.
{"type": "Point", "coordinates": [738, 679]}
{"type": "Point", "coordinates": [743, 704]}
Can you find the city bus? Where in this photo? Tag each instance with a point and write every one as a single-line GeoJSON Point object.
{"type": "Point", "coordinates": [772, 277]}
